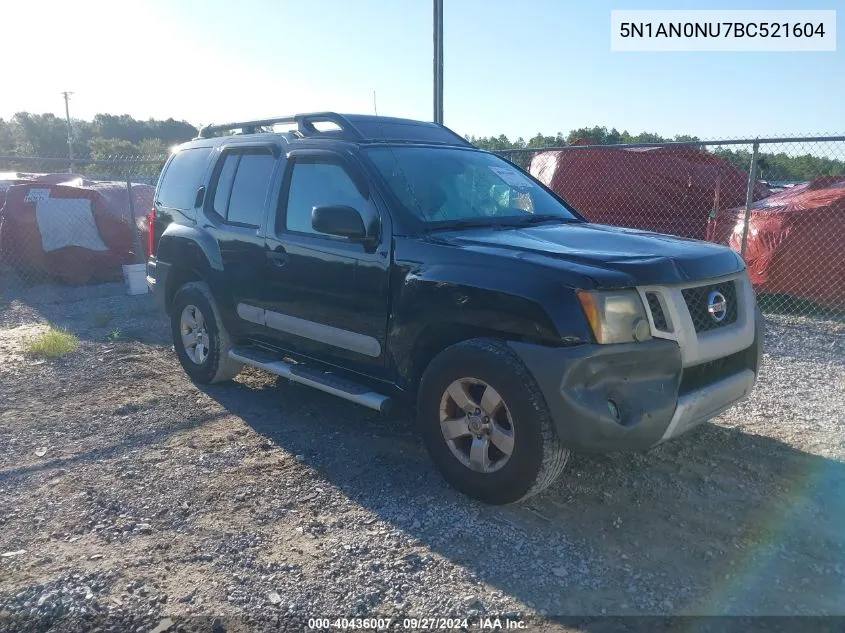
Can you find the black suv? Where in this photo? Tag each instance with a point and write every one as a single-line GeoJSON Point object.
{"type": "Point", "coordinates": [386, 260]}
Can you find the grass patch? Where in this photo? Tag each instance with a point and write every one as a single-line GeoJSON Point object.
{"type": "Point", "coordinates": [101, 319]}
{"type": "Point", "coordinates": [114, 335]}
{"type": "Point", "coordinates": [54, 343]}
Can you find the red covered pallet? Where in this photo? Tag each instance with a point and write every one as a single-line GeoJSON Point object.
{"type": "Point", "coordinates": [664, 189]}
{"type": "Point", "coordinates": [79, 231]}
{"type": "Point", "coordinates": [9, 178]}
{"type": "Point", "coordinates": [796, 241]}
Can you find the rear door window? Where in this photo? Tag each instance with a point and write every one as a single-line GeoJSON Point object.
{"type": "Point", "coordinates": [223, 190]}
{"type": "Point", "coordinates": [182, 178]}
{"type": "Point", "coordinates": [241, 187]}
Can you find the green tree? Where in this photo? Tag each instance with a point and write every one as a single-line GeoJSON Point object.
{"type": "Point", "coordinates": [126, 128]}
{"type": "Point", "coordinates": [107, 148]}
{"type": "Point", "coordinates": [592, 136]}
{"type": "Point", "coordinates": [7, 141]}
{"type": "Point", "coordinates": [540, 140]}
{"type": "Point", "coordinates": [39, 134]}
{"type": "Point", "coordinates": [109, 135]}
{"type": "Point", "coordinates": [170, 131]}
{"type": "Point", "coordinates": [153, 147]}
{"type": "Point", "coordinates": [495, 143]}
{"type": "Point", "coordinates": [647, 137]}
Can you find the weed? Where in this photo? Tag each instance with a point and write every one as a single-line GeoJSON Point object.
{"type": "Point", "coordinates": [54, 343]}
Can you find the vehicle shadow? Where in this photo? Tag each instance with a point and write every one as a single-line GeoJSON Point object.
{"type": "Point", "coordinates": [140, 440]}
{"type": "Point", "coordinates": [719, 522]}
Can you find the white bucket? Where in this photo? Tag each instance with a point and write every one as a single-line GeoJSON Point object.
{"type": "Point", "coordinates": [135, 277]}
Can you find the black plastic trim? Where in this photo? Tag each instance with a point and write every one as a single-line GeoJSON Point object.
{"type": "Point", "coordinates": [641, 379]}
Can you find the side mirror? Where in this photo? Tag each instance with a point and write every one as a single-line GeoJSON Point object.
{"type": "Point", "coordinates": [338, 220]}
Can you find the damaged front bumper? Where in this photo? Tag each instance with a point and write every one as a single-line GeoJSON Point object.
{"type": "Point", "coordinates": [632, 396]}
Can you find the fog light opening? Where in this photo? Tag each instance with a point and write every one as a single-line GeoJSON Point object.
{"type": "Point", "coordinates": [613, 410]}
{"type": "Point", "coordinates": [641, 330]}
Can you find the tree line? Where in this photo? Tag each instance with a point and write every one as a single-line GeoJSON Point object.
{"type": "Point", "coordinates": [106, 136]}
{"type": "Point", "coordinates": [591, 135]}
{"type": "Point", "coordinates": [109, 135]}
{"type": "Point", "coordinates": [770, 166]}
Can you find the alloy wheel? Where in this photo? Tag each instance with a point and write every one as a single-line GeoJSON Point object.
{"type": "Point", "coordinates": [195, 337]}
{"type": "Point", "coordinates": [477, 425]}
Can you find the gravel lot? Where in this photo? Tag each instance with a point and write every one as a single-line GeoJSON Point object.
{"type": "Point", "coordinates": [260, 500]}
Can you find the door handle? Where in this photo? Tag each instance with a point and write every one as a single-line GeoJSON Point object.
{"type": "Point", "coordinates": [279, 257]}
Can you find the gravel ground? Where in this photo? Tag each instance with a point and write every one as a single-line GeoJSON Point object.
{"type": "Point", "coordinates": [127, 491]}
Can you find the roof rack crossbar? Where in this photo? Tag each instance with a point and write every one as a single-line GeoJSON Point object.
{"type": "Point", "coordinates": [304, 125]}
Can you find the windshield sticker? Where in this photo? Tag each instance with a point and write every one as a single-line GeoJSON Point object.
{"type": "Point", "coordinates": [511, 177]}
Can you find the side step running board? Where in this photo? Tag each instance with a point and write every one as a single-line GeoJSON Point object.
{"type": "Point", "coordinates": [323, 381]}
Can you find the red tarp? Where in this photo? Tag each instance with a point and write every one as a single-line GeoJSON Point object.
{"type": "Point", "coordinates": [9, 178]}
{"type": "Point", "coordinates": [796, 241]}
{"type": "Point", "coordinates": [664, 189]}
{"type": "Point", "coordinates": [79, 231]}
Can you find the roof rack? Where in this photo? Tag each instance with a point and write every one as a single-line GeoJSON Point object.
{"type": "Point", "coordinates": [365, 128]}
{"type": "Point", "coordinates": [304, 125]}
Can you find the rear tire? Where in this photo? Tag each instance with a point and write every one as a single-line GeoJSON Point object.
{"type": "Point", "coordinates": [506, 448]}
{"type": "Point", "coordinates": [199, 335]}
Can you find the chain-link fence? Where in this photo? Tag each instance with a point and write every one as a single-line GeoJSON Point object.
{"type": "Point", "coordinates": [140, 169]}
{"type": "Point", "coordinates": [74, 221]}
{"type": "Point", "coordinates": [780, 202]}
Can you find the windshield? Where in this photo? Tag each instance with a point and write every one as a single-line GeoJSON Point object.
{"type": "Point", "coordinates": [445, 186]}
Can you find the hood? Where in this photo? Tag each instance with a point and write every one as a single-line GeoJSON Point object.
{"type": "Point", "coordinates": [609, 256]}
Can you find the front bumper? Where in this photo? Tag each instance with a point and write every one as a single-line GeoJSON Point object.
{"type": "Point", "coordinates": [707, 402]}
{"type": "Point", "coordinates": [645, 382]}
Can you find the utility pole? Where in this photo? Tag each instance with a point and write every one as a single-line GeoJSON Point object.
{"type": "Point", "coordinates": [69, 131]}
{"type": "Point", "coordinates": [438, 61]}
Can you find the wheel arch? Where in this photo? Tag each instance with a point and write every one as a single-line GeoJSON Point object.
{"type": "Point", "coordinates": [440, 306]}
{"type": "Point", "coordinates": [190, 255]}
{"type": "Point", "coordinates": [218, 365]}
{"type": "Point", "coordinates": [437, 337]}
{"type": "Point", "coordinates": [178, 277]}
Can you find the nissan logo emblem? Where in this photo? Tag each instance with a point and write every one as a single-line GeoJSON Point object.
{"type": "Point", "coordinates": [717, 306]}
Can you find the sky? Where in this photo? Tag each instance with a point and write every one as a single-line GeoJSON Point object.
{"type": "Point", "coordinates": [515, 67]}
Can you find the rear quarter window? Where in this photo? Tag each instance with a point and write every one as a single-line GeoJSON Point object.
{"type": "Point", "coordinates": [179, 182]}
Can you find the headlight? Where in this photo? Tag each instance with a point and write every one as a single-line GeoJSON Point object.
{"type": "Point", "coordinates": [616, 316]}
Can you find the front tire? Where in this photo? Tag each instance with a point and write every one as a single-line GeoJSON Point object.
{"type": "Point", "coordinates": [486, 424]}
{"type": "Point", "coordinates": [199, 335]}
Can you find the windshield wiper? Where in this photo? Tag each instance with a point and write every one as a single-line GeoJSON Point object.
{"type": "Point", "coordinates": [498, 222]}
{"type": "Point", "coordinates": [446, 225]}
{"type": "Point", "coordinates": [530, 219]}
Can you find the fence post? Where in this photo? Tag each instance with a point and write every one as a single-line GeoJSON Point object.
{"type": "Point", "coordinates": [136, 238]}
{"type": "Point", "coordinates": [749, 195]}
